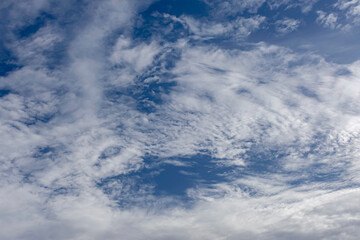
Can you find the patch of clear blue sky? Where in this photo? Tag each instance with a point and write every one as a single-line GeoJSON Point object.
{"type": "Point", "coordinates": [178, 8]}
{"type": "Point", "coordinates": [4, 92]}
{"type": "Point", "coordinates": [162, 177]}
{"type": "Point", "coordinates": [8, 62]}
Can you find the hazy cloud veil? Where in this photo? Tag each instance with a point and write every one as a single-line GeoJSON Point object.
{"type": "Point", "coordinates": [179, 119]}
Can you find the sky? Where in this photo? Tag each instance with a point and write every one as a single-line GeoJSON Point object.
{"type": "Point", "coordinates": [179, 119]}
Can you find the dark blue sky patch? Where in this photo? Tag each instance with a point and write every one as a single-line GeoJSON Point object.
{"type": "Point", "coordinates": [39, 22]}
{"type": "Point", "coordinates": [168, 177]}
{"type": "Point", "coordinates": [4, 92]}
{"type": "Point", "coordinates": [199, 170]}
{"type": "Point", "coordinates": [7, 67]}
{"type": "Point", "coordinates": [178, 7]}
{"type": "Point", "coordinates": [8, 62]}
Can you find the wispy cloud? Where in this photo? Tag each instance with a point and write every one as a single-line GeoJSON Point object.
{"type": "Point", "coordinates": [238, 29]}
{"type": "Point", "coordinates": [345, 15]}
{"type": "Point", "coordinates": [287, 25]}
{"type": "Point", "coordinates": [327, 20]}
{"type": "Point", "coordinates": [351, 8]}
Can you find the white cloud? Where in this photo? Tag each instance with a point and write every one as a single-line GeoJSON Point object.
{"type": "Point", "coordinates": [223, 99]}
{"type": "Point", "coordinates": [229, 102]}
{"type": "Point", "coordinates": [233, 7]}
{"type": "Point", "coordinates": [296, 213]}
{"type": "Point", "coordinates": [349, 13]}
{"type": "Point", "coordinates": [30, 51]}
{"type": "Point", "coordinates": [238, 29]}
{"type": "Point", "coordinates": [352, 7]}
{"type": "Point", "coordinates": [287, 25]}
{"type": "Point", "coordinates": [138, 57]}
{"type": "Point", "coordinates": [19, 12]}
{"type": "Point", "coordinates": [328, 20]}
{"type": "Point", "coordinates": [225, 92]}
{"type": "Point", "coordinates": [305, 5]}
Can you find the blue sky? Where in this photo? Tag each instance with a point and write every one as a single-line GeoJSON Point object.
{"type": "Point", "coordinates": [179, 119]}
